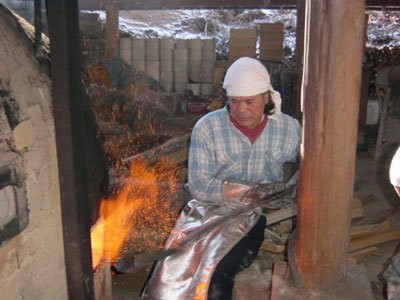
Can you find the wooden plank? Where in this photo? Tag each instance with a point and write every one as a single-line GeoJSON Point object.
{"type": "Point", "coordinates": [384, 96]}
{"type": "Point", "coordinates": [242, 51]}
{"type": "Point", "coordinates": [271, 54]}
{"type": "Point", "coordinates": [242, 33]}
{"type": "Point", "coordinates": [242, 42]}
{"type": "Point", "coordinates": [282, 214]}
{"type": "Point", "coordinates": [357, 232]}
{"type": "Point", "coordinates": [299, 52]}
{"type": "Point", "coordinates": [71, 138]}
{"type": "Point", "coordinates": [272, 45]}
{"type": "Point", "coordinates": [112, 32]}
{"type": "Point", "coordinates": [327, 175]}
{"type": "Point", "coordinates": [351, 261]}
{"type": "Point", "coordinates": [220, 4]}
{"type": "Point", "coordinates": [290, 212]}
{"type": "Point", "coordinates": [278, 278]}
{"type": "Point", "coordinates": [374, 240]}
{"type": "Point", "coordinates": [366, 251]}
{"type": "Point", "coordinates": [271, 27]}
{"type": "Point", "coordinates": [271, 37]}
{"type": "Point", "coordinates": [269, 246]}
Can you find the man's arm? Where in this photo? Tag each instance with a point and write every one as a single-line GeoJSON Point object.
{"type": "Point", "coordinates": [203, 183]}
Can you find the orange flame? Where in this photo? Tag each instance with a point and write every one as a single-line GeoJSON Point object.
{"type": "Point", "coordinates": [139, 217]}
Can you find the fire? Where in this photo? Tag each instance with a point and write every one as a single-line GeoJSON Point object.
{"type": "Point", "coordinates": [140, 216]}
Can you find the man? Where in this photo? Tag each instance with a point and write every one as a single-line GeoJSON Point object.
{"type": "Point", "coordinates": [392, 274]}
{"type": "Point", "coordinates": [249, 140]}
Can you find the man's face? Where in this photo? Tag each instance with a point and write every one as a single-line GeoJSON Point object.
{"type": "Point", "coordinates": [248, 111]}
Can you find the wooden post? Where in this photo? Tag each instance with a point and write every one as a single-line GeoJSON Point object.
{"type": "Point", "coordinates": [334, 36]}
{"type": "Point", "coordinates": [299, 55]}
{"type": "Point", "coordinates": [112, 32]}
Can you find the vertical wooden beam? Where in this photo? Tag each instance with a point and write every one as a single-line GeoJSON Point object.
{"type": "Point", "coordinates": [38, 28]}
{"type": "Point", "coordinates": [112, 32]}
{"type": "Point", "coordinates": [69, 120]}
{"type": "Point", "coordinates": [331, 81]}
{"type": "Point", "coordinates": [365, 79]}
{"type": "Point", "coordinates": [301, 6]}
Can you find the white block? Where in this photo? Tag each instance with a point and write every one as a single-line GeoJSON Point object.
{"type": "Point", "coordinates": [207, 89]}
{"type": "Point", "coordinates": [153, 69]}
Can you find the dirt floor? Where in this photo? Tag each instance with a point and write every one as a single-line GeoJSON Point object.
{"type": "Point", "coordinates": [379, 201]}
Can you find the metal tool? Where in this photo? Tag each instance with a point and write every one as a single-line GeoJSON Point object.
{"type": "Point", "coordinates": [260, 199]}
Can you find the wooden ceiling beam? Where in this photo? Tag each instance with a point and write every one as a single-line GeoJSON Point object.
{"type": "Point", "coordinates": [188, 4]}
{"type": "Point", "coordinates": [215, 4]}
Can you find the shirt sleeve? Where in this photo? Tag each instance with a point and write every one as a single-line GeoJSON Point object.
{"type": "Point", "coordinates": [203, 183]}
{"type": "Point", "coordinates": [292, 140]}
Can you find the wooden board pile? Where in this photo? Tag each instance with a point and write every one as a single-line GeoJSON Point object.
{"type": "Point", "coordinates": [364, 239]}
{"type": "Point", "coordinates": [271, 41]}
{"type": "Point", "coordinates": [242, 42]}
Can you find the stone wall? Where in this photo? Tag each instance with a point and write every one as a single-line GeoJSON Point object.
{"type": "Point", "coordinates": [32, 260]}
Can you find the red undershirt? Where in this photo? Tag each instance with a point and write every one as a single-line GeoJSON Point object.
{"type": "Point", "coordinates": [253, 133]}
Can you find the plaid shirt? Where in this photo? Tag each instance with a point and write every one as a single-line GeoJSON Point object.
{"type": "Point", "coordinates": [218, 150]}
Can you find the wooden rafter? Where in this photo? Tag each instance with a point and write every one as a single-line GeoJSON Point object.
{"type": "Point", "coordinates": [216, 4]}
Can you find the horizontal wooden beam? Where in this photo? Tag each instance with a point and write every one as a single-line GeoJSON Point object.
{"type": "Point", "coordinates": [215, 4]}
{"type": "Point", "coordinates": [185, 4]}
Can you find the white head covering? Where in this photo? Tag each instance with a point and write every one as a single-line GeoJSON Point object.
{"type": "Point", "coordinates": [394, 172]}
{"type": "Point", "coordinates": [249, 77]}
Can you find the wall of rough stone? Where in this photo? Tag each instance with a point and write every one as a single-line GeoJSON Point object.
{"type": "Point", "coordinates": [31, 263]}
